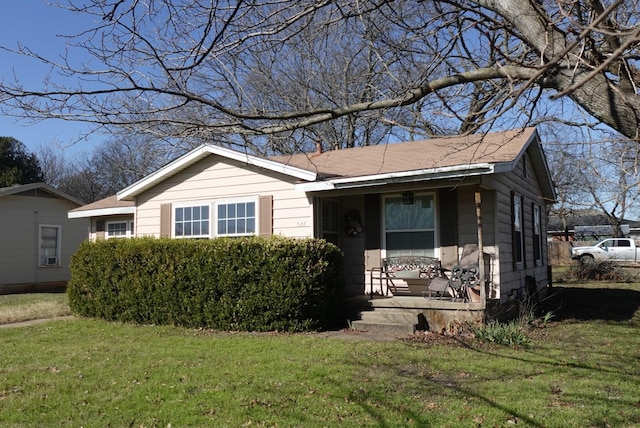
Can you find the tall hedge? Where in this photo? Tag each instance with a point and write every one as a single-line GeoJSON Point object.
{"type": "Point", "coordinates": [253, 284]}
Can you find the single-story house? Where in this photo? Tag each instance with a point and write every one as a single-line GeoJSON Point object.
{"type": "Point", "coordinates": [37, 238]}
{"type": "Point", "coordinates": [437, 197]}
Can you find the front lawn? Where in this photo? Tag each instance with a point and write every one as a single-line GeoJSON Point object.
{"type": "Point", "coordinates": [25, 307]}
{"type": "Point", "coordinates": [578, 372]}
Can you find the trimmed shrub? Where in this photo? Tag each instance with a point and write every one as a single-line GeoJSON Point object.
{"type": "Point", "coordinates": [252, 283]}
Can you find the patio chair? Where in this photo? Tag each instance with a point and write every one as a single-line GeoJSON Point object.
{"type": "Point", "coordinates": [462, 279]}
{"type": "Point", "coordinates": [438, 288]}
{"type": "Point", "coordinates": [464, 276]}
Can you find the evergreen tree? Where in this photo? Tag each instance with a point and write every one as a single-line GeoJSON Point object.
{"type": "Point", "coordinates": [17, 165]}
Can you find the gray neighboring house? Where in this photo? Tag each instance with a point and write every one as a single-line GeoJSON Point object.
{"type": "Point", "coordinates": [37, 239]}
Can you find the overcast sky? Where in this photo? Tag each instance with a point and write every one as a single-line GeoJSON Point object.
{"type": "Point", "coordinates": [35, 24]}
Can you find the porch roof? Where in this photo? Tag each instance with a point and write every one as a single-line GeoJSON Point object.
{"type": "Point", "coordinates": [107, 206]}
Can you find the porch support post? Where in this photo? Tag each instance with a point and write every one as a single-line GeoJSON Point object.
{"type": "Point", "coordinates": [483, 292]}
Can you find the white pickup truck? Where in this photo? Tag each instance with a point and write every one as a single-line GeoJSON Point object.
{"type": "Point", "coordinates": [617, 249]}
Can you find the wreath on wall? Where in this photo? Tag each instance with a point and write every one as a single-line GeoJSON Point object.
{"type": "Point", "coordinates": [353, 223]}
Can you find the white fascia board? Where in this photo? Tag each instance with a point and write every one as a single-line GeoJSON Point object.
{"type": "Point", "coordinates": [201, 152]}
{"type": "Point", "coordinates": [128, 193]}
{"type": "Point", "coordinates": [267, 164]}
{"type": "Point", "coordinates": [397, 177]}
{"type": "Point", "coordinates": [502, 167]}
{"type": "Point", "coordinates": [98, 212]}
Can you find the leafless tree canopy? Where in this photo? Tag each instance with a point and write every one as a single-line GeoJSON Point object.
{"type": "Point", "coordinates": [269, 73]}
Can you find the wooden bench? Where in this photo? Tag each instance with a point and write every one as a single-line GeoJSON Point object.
{"type": "Point", "coordinates": [407, 275]}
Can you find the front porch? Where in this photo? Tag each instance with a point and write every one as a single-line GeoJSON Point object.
{"type": "Point", "coordinates": [406, 314]}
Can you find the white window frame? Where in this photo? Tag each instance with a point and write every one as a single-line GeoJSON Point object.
{"type": "Point", "coordinates": [435, 250]}
{"type": "Point", "coordinates": [47, 260]}
{"type": "Point", "coordinates": [191, 204]}
{"type": "Point", "coordinates": [228, 201]}
{"type": "Point", "coordinates": [213, 216]}
{"type": "Point", "coordinates": [128, 229]}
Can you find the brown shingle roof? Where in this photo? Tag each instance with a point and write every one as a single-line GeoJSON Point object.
{"type": "Point", "coordinates": [109, 202]}
{"type": "Point", "coordinates": [415, 155]}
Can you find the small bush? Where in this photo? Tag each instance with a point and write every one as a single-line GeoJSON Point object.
{"type": "Point", "coordinates": [253, 284]}
{"type": "Point", "coordinates": [507, 334]}
{"type": "Point", "coordinates": [598, 270]}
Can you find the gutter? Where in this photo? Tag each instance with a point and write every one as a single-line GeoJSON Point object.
{"type": "Point", "coordinates": [398, 177]}
{"type": "Point", "coordinates": [101, 212]}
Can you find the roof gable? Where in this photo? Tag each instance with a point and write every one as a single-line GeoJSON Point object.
{"type": "Point", "coordinates": [42, 188]}
{"type": "Point", "coordinates": [202, 152]}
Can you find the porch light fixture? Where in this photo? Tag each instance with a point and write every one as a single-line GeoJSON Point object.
{"type": "Point", "coordinates": [407, 198]}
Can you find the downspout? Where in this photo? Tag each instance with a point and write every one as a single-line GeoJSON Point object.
{"type": "Point", "coordinates": [483, 292]}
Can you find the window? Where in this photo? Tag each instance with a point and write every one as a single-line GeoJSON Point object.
{"type": "Point", "coordinates": [215, 218]}
{"type": "Point", "coordinates": [236, 218]}
{"type": "Point", "coordinates": [537, 235]}
{"type": "Point", "coordinates": [518, 239]}
{"type": "Point", "coordinates": [409, 227]}
{"type": "Point", "coordinates": [118, 229]}
{"type": "Point", "coordinates": [191, 221]}
{"type": "Point", "coordinates": [329, 220]}
{"type": "Point", "coordinates": [50, 245]}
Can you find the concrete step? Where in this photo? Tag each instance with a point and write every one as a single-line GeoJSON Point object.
{"type": "Point", "coordinates": [390, 316]}
{"type": "Point", "coordinates": [387, 328]}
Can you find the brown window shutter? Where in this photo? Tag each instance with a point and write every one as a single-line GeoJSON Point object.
{"type": "Point", "coordinates": [165, 221]}
{"type": "Point", "coordinates": [265, 222]}
{"type": "Point", "coordinates": [100, 225]}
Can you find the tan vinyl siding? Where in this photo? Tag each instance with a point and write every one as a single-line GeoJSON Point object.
{"type": "Point", "coordinates": [215, 178]}
{"type": "Point", "coordinates": [20, 220]}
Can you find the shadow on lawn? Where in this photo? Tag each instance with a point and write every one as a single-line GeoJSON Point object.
{"type": "Point", "coordinates": [607, 304]}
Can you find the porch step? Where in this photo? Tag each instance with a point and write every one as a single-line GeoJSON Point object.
{"type": "Point", "coordinates": [390, 316]}
{"type": "Point", "coordinates": [389, 328]}
{"type": "Point", "coordinates": [405, 315]}
{"type": "Point", "coordinates": [388, 320]}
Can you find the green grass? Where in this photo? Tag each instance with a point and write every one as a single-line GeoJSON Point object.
{"type": "Point", "coordinates": [576, 372]}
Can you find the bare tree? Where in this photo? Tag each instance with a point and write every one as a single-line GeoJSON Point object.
{"type": "Point", "coordinates": [255, 72]}
{"type": "Point", "coordinates": [110, 168]}
{"type": "Point", "coordinates": [596, 180]}
{"type": "Point", "coordinates": [54, 165]}
{"type": "Point", "coordinates": [610, 177]}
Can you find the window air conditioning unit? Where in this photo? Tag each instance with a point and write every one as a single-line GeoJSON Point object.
{"type": "Point", "coordinates": [51, 261]}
